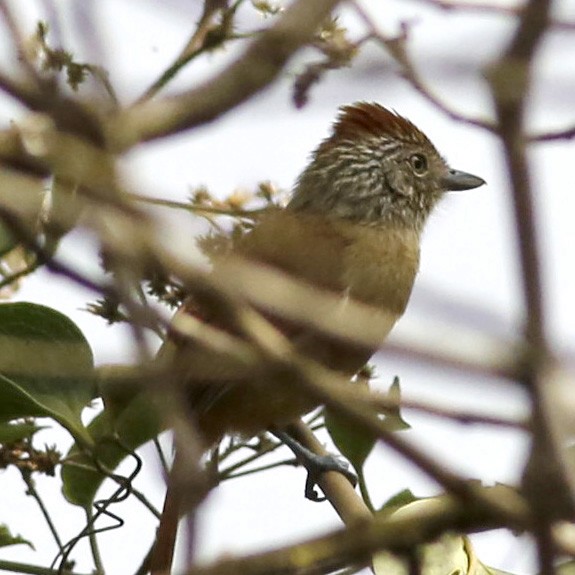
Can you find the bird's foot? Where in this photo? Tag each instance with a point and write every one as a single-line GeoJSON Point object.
{"type": "Point", "coordinates": [315, 465]}
{"type": "Point", "coordinates": [318, 464]}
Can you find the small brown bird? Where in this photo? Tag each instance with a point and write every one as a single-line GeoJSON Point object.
{"type": "Point", "coordinates": [352, 227]}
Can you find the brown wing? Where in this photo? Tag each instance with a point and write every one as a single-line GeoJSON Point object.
{"type": "Point", "coordinates": [307, 246]}
{"type": "Point", "coordinates": [337, 256]}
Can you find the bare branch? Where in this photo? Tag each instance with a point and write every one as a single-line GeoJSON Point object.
{"type": "Point", "coordinates": [566, 134]}
{"type": "Point", "coordinates": [546, 480]}
{"type": "Point", "coordinates": [397, 48]}
{"type": "Point", "coordinates": [19, 43]}
{"type": "Point", "coordinates": [509, 79]}
{"type": "Point", "coordinates": [257, 68]}
{"type": "Point", "coordinates": [335, 486]}
{"type": "Point", "coordinates": [196, 45]}
{"type": "Point", "coordinates": [358, 542]}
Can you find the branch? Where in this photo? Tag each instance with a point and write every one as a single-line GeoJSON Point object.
{"type": "Point", "coordinates": [357, 543]}
{"type": "Point", "coordinates": [260, 343]}
{"type": "Point", "coordinates": [547, 481]}
{"type": "Point", "coordinates": [396, 47]}
{"type": "Point", "coordinates": [335, 486]}
{"type": "Point", "coordinates": [19, 43]}
{"type": "Point", "coordinates": [384, 403]}
{"type": "Point", "coordinates": [196, 45]}
{"type": "Point", "coordinates": [566, 134]}
{"type": "Point", "coordinates": [271, 290]}
{"type": "Point", "coordinates": [257, 68]}
{"type": "Point", "coordinates": [15, 567]}
{"type": "Point", "coordinates": [33, 492]}
{"type": "Point", "coordinates": [509, 79]}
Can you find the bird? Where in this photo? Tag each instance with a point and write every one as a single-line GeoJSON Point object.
{"type": "Point", "coordinates": [353, 228]}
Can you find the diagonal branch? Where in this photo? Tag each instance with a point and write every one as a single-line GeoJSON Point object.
{"type": "Point", "coordinates": [258, 67]}
{"type": "Point", "coordinates": [396, 47]}
{"type": "Point", "coordinates": [196, 45]}
{"type": "Point", "coordinates": [357, 543]}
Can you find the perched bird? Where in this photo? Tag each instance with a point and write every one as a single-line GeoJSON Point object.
{"type": "Point", "coordinates": [353, 227]}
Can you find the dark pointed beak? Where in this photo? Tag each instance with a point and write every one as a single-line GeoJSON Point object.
{"type": "Point", "coordinates": [456, 181]}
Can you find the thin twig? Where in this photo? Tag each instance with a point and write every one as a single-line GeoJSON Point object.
{"type": "Point", "coordinates": [545, 481]}
{"type": "Point", "coordinates": [22, 92]}
{"type": "Point", "coordinates": [357, 542]}
{"type": "Point", "coordinates": [14, 224]}
{"type": "Point", "coordinates": [16, 567]}
{"type": "Point", "coordinates": [142, 499]}
{"type": "Point", "coordinates": [161, 456]}
{"type": "Point", "coordinates": [14, 277]}
{"type": "Point", "coordinates": [196, 45]}
{"type": "Point", "coordinates": [32, 491]}
{"type": "Point", "coordinates": [286, 462]}
{"type": "Point", "coordinates": [224, 473]}
{"type": "Point", "coordinates": [258, 67]}
{"type": "Point", "coordinates": [196, 208]}
{"type": "Point", "coordinates": [19, 42]}
{"type": "Point", "coordinates": [565, 134]}
{"type": "Point", "coordinates": [363, 489]}
{"type": "Point", "coordinates": [94, 547]}
{"type": "Point", "coordinates": [396, 46]}
{"type": "Point", "coordinates": [385, 403]}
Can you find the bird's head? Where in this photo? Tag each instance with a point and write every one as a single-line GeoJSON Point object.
{"type": "Point", "coordinates": [376, 167]}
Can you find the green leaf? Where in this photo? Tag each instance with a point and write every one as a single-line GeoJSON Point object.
{"type": "Point", "coordinates": [393, 419]}
{"type": "Point", "coordinates": [46, 366]}
{"type": "Point", "coordinates": [353, 443]}
{"type": "Point", "coordinates": [13, 432]}
{"type": "Point", "coordinates": [404, 497]}
{"type": "Point", "coordinates": [114, 434]}
{"type": "Point", "coordinates": [6, 538]}
{"type": "Point", "coordinates": [118, 386]}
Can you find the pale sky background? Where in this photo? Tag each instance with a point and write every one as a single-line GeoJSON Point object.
{"type": "Point", "coordinates": [468, 251]}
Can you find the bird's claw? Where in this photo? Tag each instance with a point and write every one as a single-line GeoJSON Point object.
{"type": "Point", "coordinates": [315, 464]}
{"type": "Point", "coordinates": [318, 464]}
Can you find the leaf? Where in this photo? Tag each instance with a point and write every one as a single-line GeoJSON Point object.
{"type": "Point", "coordinates": [137, 423]}
{"type": "Point", "coordinates": [449, 554]}
{"type": "Point", "coordinates": [446, 556]}
{"type": "Point", "coordinates": [46, 366]}
{"type": "Point", "coordinates": [354, 443]}
{"type": "Point", "coordinates": [398, 500]}
{"type": "Point", "coordinates": [14, 432]}
{"type": "Point", "coordinates": [6, 538]}
{"type": "Point", "coordinates": [393, 420]}
{"type": "Point", "coordinates": [118, 386]}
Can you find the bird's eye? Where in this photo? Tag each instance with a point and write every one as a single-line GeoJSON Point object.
{"type": "Point", "coordinates": [419, 164]}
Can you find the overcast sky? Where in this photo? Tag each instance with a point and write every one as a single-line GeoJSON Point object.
{"type": "Point", "coordinates": [469, 253]}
